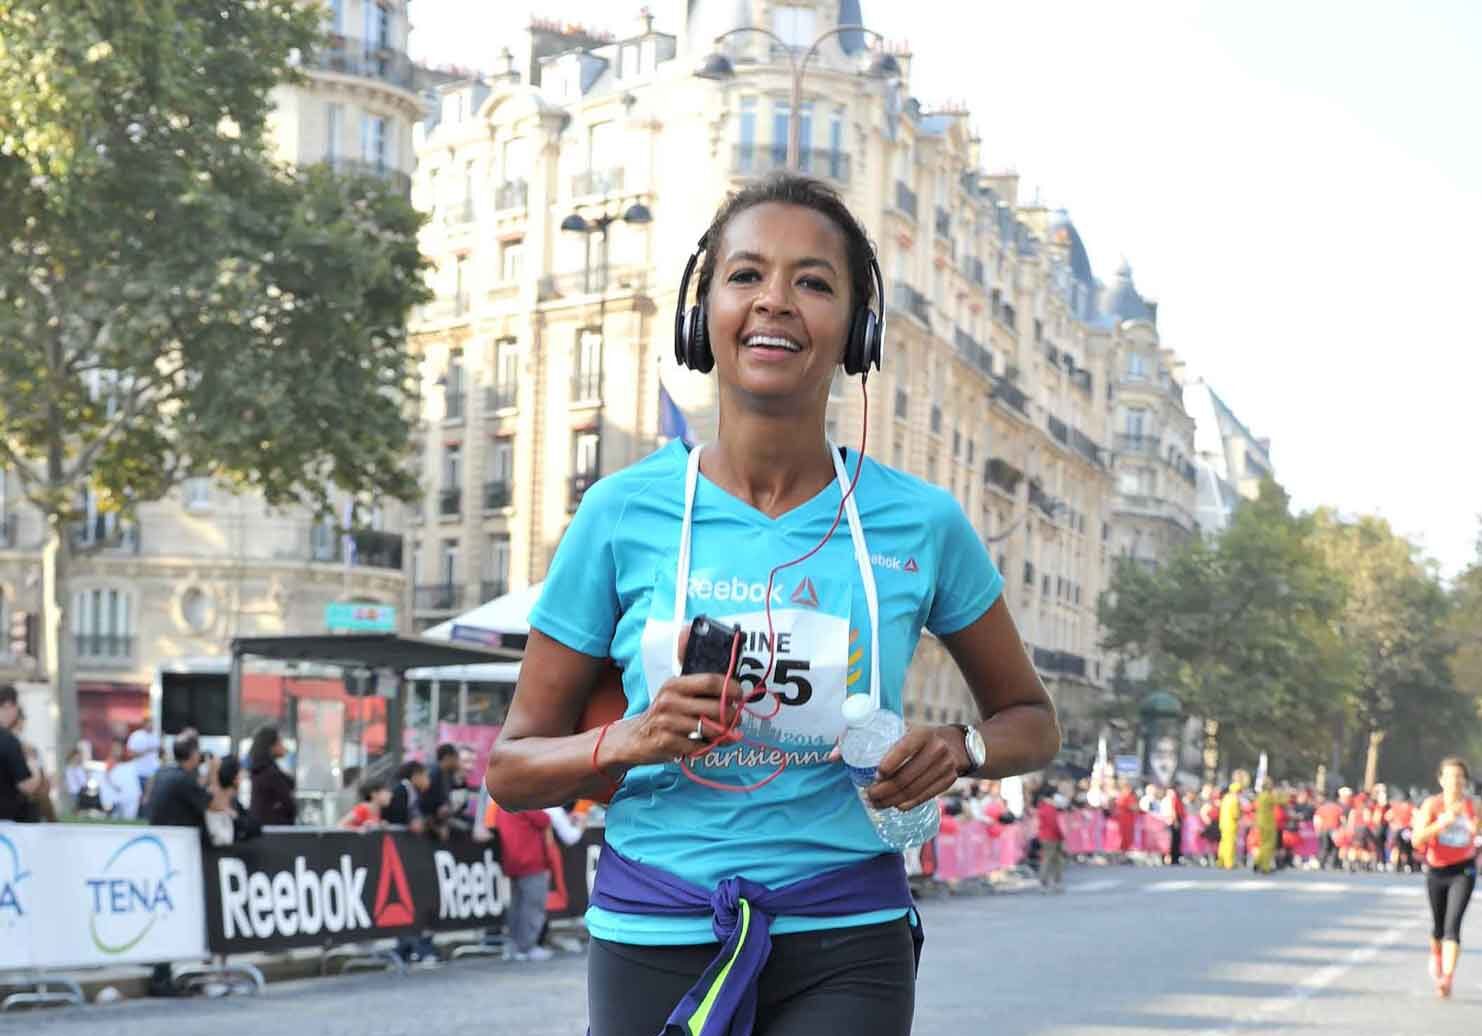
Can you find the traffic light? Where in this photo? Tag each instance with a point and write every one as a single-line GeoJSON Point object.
{"type": "Point", "coordinates": [22, 634]}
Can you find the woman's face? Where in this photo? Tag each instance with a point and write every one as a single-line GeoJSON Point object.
{"type": "Point", "coordinates": [1454, 780]}
{"type": "Point", "coordinates": [279, 749]}
{"type": "Point", "coordinates": [779, 303]}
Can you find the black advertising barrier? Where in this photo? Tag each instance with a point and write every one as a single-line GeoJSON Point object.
{"type": "Point", "coordinates": [319, 888]}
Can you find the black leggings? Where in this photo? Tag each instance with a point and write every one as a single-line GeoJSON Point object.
{"type": "Point", "coordinates": [860, 981]}
{"type": "Point", "coordinates": [1450, 888]}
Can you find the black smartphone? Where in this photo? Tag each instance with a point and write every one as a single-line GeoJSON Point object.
{"type": "Point", "coordinates": [709, 646]}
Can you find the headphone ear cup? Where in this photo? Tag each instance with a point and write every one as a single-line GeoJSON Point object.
{"type": "Point", "coordinates": [862, 333]}
{"type": "Point", "coordinates": [697, 340]}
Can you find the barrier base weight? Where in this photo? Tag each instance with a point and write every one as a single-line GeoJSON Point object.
{"type": "Point", "coordinates": [198, 978]}
{"type": "Point", "coordinates": [66, 993]}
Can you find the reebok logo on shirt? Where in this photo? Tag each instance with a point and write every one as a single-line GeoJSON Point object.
{"type": "Point", "coordinates": [733, 589]}
{"type": "Point", "coordinates": [893, 563]}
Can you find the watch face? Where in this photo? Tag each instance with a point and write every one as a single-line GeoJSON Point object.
{"type": "Point", "coordinates": [976, 750]}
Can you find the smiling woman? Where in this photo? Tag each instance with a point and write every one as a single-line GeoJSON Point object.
{"type": "Point", "coordinates": [751, 531]}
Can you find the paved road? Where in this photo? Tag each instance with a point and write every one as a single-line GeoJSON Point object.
{"type": "Point", "coordinates": [1127, 950]}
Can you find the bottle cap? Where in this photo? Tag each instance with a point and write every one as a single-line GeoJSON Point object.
{"type": "Point", "coordinates": [858, 709]}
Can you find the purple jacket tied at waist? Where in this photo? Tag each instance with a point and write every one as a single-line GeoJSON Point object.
{"type": "Point", "coordinates": [723, 1002]}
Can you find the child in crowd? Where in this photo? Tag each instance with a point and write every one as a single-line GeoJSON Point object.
{"type": "Point", "coordinates": [374, 797]}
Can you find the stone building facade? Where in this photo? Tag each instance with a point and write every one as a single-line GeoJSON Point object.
{"type": "Point", "coordinates": [546, 348]}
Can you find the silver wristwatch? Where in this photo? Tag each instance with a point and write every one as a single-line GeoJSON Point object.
{"type": "Point", "coordinates": [977, 752]}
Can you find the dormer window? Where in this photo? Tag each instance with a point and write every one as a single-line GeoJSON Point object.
{"type": "Point", "coordinates": [797, 24]}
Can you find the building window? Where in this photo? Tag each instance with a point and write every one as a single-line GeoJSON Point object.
{"type": "Point", "coordinates": [373, 141]}
{"type": "Point", "coordinates": [836, 144]}
{"type": "Point", "coordinates": [496, 567]}
{"type": "Point", "coordinates": [795, 23]}
{"type": "Point", "coordinates": [902, 402]}
{"type": "Point", "coordinates": [452, 466]}
{"type": "Point", "coordinates": [103, 624]}
{"type": "Point", "coordinates": [461, 284]}
{"type": "Point", "coordinates": [746, 137]}
{"type": "Point", "coordinates": [453, 386]}
{"type": "Point", "coordinates": [1135, 365]}
{"type": "Point", "coordinates": [197, 493]}
{"type": "Point", "coordinates": [515, 162]}
{"type": "Point", "coordinates": [505, 392]}
{"type": "Point", "coordinates": [805, 137]}
{"type": "Point", "coordinates": [586, 369]}
{"type": "Point", "coordinates": [334, 117]}
{"type": "Point", "coordinates": [781, 117]}
{"type": "Point", "coordinates": [498, 491]}
{"type": "Point", "coordinates": [586, 462]}
{"type": "Point", "coordinates": [511, 260]}
{"type": "Point", "coordinates": [447, 569]}
{"type": "Point", "coordinates": [1136, 423]}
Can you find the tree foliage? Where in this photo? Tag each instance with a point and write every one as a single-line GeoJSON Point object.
{"type": "Point", "coordinates": [173, 300]}
{"type": "Point", "coordinates": [1311, 637]}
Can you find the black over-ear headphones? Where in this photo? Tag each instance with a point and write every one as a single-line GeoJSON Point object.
{"type": "Point", "coordinates": [692, 336]}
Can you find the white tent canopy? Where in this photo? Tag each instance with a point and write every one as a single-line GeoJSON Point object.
{"type": "Point", "coordinates": [507, 614]}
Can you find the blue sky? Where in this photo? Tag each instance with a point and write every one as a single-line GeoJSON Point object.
{"type": "Point", "coordinates": [1298, 184]}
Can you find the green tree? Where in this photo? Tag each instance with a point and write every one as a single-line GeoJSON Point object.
{"type": "Point", "coordinates": [1239, 627]}
{"type": "Point", "coordinates": [1394, 629]}
{"type": "Point", "coordinates": [174, 302]}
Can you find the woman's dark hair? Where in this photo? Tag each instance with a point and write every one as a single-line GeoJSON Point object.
{"type": "Point", "coordinates": [786, 188]}
{"type": "Point", "coordinates": [261, 752]}
{"type": "Point", "coordinates": [227, 770]}
{"type": "Point", "coordinates": [1458, 762]}
{"type": "Point", "coordinates": [410, 769]}
{"type": "Point", "coordinates": [368, 789]}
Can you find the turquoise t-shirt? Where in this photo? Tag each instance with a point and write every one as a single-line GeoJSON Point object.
{"type": "Point", "coordinates": [610, 592]}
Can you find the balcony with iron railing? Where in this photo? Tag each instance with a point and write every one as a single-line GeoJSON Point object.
{"type": "Point", "coordinates": [370, 548]}
{"type": "Point", "coordinates": [399, 181]}
{"type": "Point", "coordinates": [913, 302]}
{"type": "Point", "coordinates": [450, 502]}
{"type": "Point", "coordinates": [1148, 506]}
{"type": "Point", "coordinates": [1041, 499]}
{"type": "Point", "coordinates": [1081, 379]}
{"type": "Point", "coordinates": [905, 199]}
{"type": "Point", "coordinates": [498, 493]}
{"type": "Point", "coordinates": [586, 386]}
{"type": "Point", "coordinates": [973, 351]}
{"type": "Point", "coordinates": [511, 194]}
{"type": "Point", "coordinates": [754, 159]}
{"type": "Point", "coordinates": [489, 589]}
{"type": "Point", "coordinates": [593, 281]}
{"type": "Point", "coordinates": [1002, 475]}
{"type": "Point", "coordinates": [436, 597]}
{"type": "Point", "coordinates": [580, 483]}
{"type": "Point", "coordinates": [1086, 447]}
{"type": "Point", "coordinates": [104, 647]}
{"type": "Point", "coordinates": [1141, 445]}
{"type": "Point", "coordinates": [1006, 392]}
{"type": "Point", "coordinates": [365, 59]}
{"type": "Point", "coordinates": [597, 182]}
{"type": "Point", "coordinates": [1059, 429]}
{"type": "Point", "coordinates": [105, 531]}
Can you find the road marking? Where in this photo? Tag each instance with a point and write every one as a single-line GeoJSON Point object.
{"type": "Point", "coordinates": [1099, 885]}
{"type": "Point", "coordinates": [1171, 886]}
{"type": "Point", "coordinates": [1316, 982]}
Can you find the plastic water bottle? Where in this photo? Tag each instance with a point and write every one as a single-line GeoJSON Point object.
{"type": "Point", "coordinates": [871, 733]}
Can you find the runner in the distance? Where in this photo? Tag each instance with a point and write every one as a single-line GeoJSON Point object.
{"type": "Point", "coordinates": [1446, 832]}
{"type": "Point", "coordinates": [785, 287]}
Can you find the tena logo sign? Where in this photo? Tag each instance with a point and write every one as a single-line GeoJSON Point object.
{"type": "Point", "coordinates": [12, 906]}
{"type": "Point", "coordinates": [131, 894]}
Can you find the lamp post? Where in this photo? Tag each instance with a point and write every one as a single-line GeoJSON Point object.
{"type": "Point", "coordinates": [719, 67]}
{"type": "Point", "coordinates": [636, 214]}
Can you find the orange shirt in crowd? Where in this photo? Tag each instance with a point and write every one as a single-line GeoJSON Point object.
{"type": "Point", "coordinates": [1329, 816]}
{"type": "Point", "coordinates": [1401, 813]}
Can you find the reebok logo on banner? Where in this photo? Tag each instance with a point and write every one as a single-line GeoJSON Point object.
{"type": "Point", "coordinates": [392, 913]}
{"type": "Point", "coordinates": [806, 594]}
